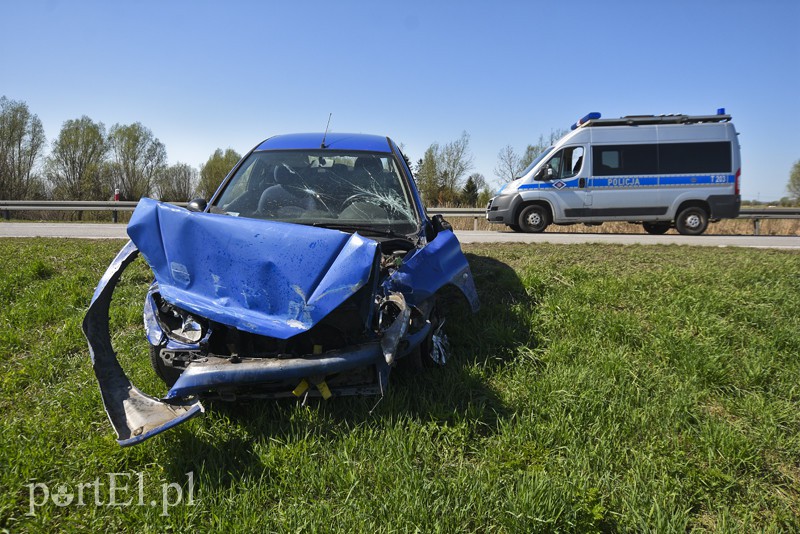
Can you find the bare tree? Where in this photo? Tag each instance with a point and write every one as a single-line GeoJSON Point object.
{"type": "Point", "coordinates": [74, 167]}
{"type": "Point", "coordinates": [509, 164]}
{"type": "Point", "coordinates": [22, 143]}
{"type": "Point", "coordinates": [137, 156]}
{"type": "Point", "coordinates": [176, 183]}
{"type": "Point", "coordinates": [533, 151]}
{"type": "Point", "coordinates": [455, 161]}
{"type": "Point", "coordinates": [794, 181]}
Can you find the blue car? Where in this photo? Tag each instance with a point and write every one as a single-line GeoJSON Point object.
{"type": "Point", "coordinates": [311, 271]}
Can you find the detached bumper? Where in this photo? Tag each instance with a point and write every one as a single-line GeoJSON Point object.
{"type": "Point", "coordinates": [134, 415]}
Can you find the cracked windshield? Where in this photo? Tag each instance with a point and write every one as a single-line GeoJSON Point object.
{"type": "Point", "coordinates": [333, 189]}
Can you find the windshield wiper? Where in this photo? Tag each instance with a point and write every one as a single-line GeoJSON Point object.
{"type": "Point", "coordinates": [356, 228]}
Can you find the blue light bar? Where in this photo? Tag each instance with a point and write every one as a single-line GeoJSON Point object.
{"type": "Point", "coordinates": [721, 111]}
{"type": "Point", "coordinates": [586, 118]}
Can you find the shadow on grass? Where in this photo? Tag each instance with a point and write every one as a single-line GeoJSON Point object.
{"type": "Point", "coordinates": [459, 393]}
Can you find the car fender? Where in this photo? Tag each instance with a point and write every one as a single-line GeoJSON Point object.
{"type": "Point", "coordinates": [426, 270]}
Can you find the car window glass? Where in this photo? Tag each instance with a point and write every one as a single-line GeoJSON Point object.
{"type": "Point", "coordinates": [572, 162]}
{"type": "Point", "coordinates": [555, 163]}
{"type": "Point", "coordinates": [322, 187]}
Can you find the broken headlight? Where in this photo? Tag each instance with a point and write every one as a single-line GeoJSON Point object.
{"type": "Point", "coordinates": [178, 324]}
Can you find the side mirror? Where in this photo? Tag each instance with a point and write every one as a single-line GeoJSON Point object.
{"type": "Point", "coordinates": [440, 224]}
{"type": "Point", "coordinates": [544, 174]}
{"type": "Point", "coordinates": [198, 204]}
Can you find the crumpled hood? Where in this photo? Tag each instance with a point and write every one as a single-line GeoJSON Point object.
{"type": "Point", "coordinates": [269, 278]}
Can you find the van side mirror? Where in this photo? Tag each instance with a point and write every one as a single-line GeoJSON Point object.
{"type": "Point", "coordinates": [544, 174]}
{"type": "Point", "coordinates": [198, 204]}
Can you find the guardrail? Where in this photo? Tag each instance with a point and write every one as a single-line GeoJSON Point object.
{"type": "Point", "coordinates": [7, 206]}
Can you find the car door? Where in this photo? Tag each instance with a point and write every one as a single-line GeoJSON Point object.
{"type": "Point", "coordinates": [564, 177]}
{"type": "Point", "coordinates": [625, 182]}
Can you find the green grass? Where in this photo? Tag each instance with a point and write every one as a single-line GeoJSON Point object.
{"type": "Point", "coordinates": [600, 388]}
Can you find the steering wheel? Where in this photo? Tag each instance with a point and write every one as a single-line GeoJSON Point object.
{"type": "Point", "coordinates": [373, 200]}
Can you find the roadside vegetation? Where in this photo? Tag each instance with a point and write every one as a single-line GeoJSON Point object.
{"type": "Point", "coordinates": [600, 388]}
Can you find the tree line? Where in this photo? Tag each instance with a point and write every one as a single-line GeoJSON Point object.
{"type": "Point", "coordinates": [88, 162]}
{"type": "Point", "coordinates": [442, 173]}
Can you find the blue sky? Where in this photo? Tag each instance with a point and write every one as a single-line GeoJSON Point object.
{"type": "Point", "coordinates": [206, 75]}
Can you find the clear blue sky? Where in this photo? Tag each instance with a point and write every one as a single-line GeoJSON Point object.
{"type": "Point", "coordinates": [206, 75]}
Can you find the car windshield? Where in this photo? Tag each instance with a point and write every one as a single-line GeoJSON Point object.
{"type": "Point", "coordinates": [533, 163]}
{"type": "Point", "coordinates": [346, 190]}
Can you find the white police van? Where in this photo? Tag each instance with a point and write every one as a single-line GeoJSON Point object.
{"type": "Point", "coordinates": [661, 171]}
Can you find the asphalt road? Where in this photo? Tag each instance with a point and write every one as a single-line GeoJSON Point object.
{"type": "Point", "coordinates": [117, 231]}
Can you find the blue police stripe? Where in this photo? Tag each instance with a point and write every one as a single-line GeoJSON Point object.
{"type": "Point", "coordinates": [713, 179]}
{"type": "Point", "coordinates": [622, 182]}
{"type": "Point", "coordinates": [626, 181]}
{"type": "Point", "coordinates": [571, 183]}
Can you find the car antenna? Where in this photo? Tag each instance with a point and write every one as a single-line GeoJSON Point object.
{"type": "Point", "coordinates": [322, 145]}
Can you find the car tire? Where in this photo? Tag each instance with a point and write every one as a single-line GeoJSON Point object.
{"type": "Point", "coordinates": [420, 358]}
{"type": "Point", "coordinates": [534, 219]}
{"type": "Point", "coordinates": [692, 221]}
{"type": "Point", "coordinates": [169, 375]}
{"type": "Point", "coordinates": [514, 227]}
{"type": "Point", "coordinates": [656, 228]}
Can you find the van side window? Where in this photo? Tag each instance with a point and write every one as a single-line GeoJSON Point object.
{"type": "Point", "coordinates": [610, 159]}
{"type": "Point", "coordinates": [686, 158]}
{"type": "Point", "coordinates": [614, 160]}
{"type": "Point", "coordinates": [567, 162]}
{"type": "Point", "coordinates": [665, 158]}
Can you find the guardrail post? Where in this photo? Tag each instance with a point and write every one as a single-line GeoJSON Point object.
{"type": "Point", "coordinates": [756, 226]}
{"type": "Point", "coordinates": [114, 213]}
{"type": "Point", "coordinates": [7, 214]}
{"type": "Point", "coordinates": [475, 224]}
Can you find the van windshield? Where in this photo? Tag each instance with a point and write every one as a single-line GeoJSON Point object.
{"type": "Point", "coordinates": [535, 162]}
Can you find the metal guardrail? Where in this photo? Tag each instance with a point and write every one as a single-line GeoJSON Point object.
{"type": "Point", "coordinates": [7, 206]}
{"type": "Point", "coordinates": [71, 205]}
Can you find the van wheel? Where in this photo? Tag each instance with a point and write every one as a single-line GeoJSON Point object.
{"type": "Point", "coordinates": [534, 219]}
{"type": "Point", "coordinates": [656, 228]}
{"type": "Point", "coordinates": [692, 221]}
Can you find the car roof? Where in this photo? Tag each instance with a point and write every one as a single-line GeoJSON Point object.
{"type": "Point", "coordinates": [334, 141]}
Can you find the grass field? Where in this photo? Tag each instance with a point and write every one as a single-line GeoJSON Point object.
{"type": "Point", "coordinates": [600, 388]}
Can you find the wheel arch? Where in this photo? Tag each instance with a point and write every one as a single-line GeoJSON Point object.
{"type": "Point", "coordinates": [693, 203]}
{"type": "Point", "coordinates": [538, 202]}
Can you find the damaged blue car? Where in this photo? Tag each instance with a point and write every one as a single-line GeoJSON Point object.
{"type": "Point", "coordinates": [311, 271]}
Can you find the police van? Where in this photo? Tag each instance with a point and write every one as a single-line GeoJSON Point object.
{"type": "Point", "coordinates": [661, 171]}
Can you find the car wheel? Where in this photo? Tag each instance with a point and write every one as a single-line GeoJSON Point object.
{"type": "Point", "coordinates": [169, 375]}
{"type": "Point", "coordinates": [692, 221]}
{"type": "Point", "coordinates": [656, 228]}
{"type": "Point", "coordinates": [534, 218]}
{"type": "Point", "coordinates": [432, 352]}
